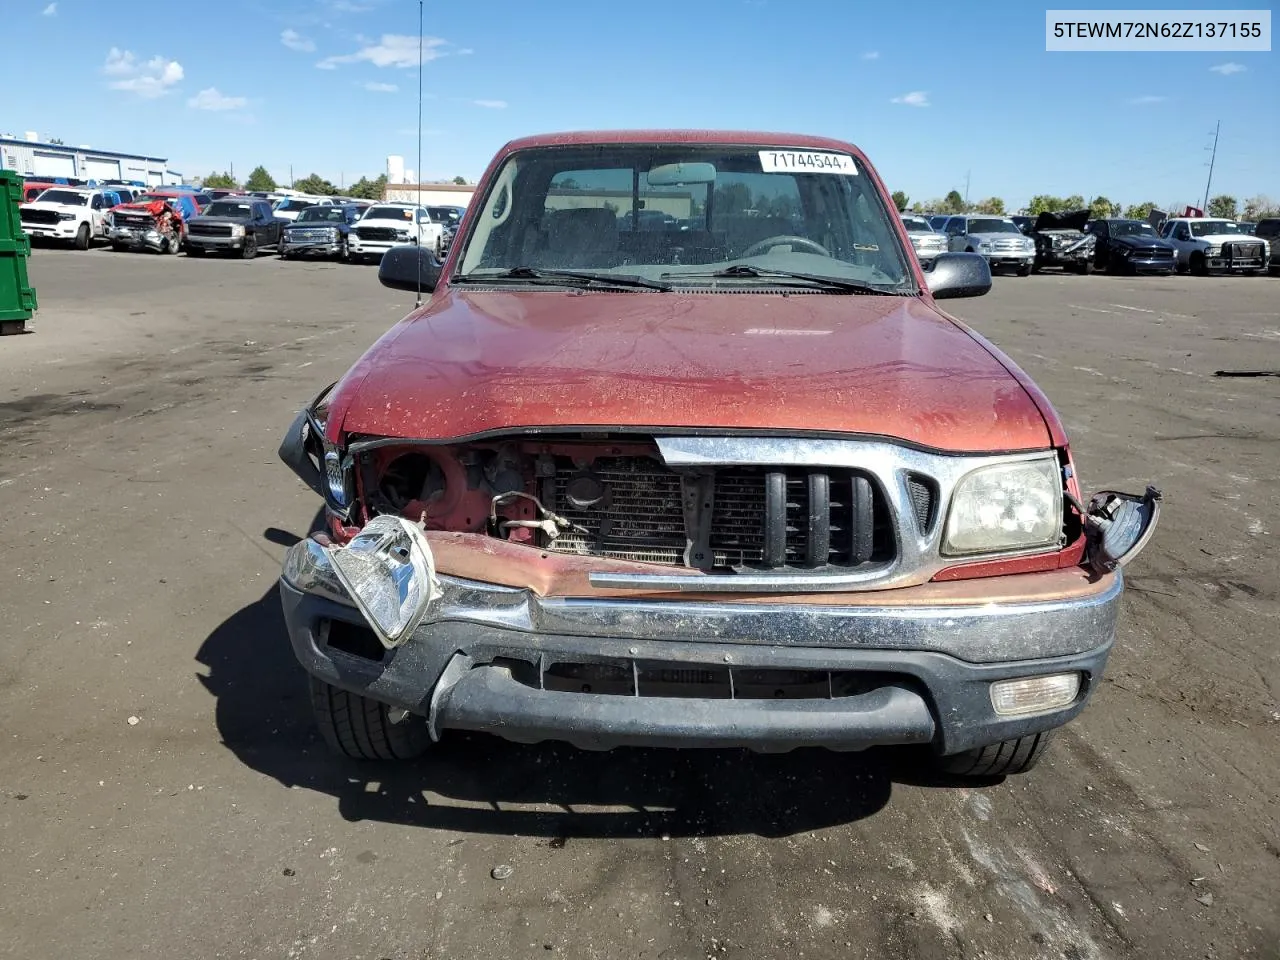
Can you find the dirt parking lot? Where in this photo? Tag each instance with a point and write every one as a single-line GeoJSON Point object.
{"type": "Point", "coordinates": [162, 793]}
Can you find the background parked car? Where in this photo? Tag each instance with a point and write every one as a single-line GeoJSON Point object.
{"type": "Point", "coordinates": [996, 238]}
{"type": "Point", "coordinates": [1208, 245]}
{"type": "Point", "coordinates": [69, 214]}
{"type": "Point", "coordinates": [1269, 231]}
{"type": "Point", "coordinates": [1025, 224]}
{"type": "Point", "coordinates": [151, 222]}
{"type": "Point", "coordinates": [320, 231]}
{"type": "Point", "coordinates": [449, 218]}
{"type": "Point", "coordinates": [234, 225]}
{"type": "Point", "coordinates": [1129, 245]}
{"type": "Point", "coordinates": [928, 243]}
{"type": "Point", "coordinates": [386, 225]}
{"type": "Point", "coordinates": [290, 207]}
{"type": "Point", "coordinates": [1061, 241]}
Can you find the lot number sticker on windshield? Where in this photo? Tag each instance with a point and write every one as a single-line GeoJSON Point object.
{"type": "Point", "coordinates": [791, 161]}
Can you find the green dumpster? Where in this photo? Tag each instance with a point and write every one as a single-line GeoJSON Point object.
{"type": "Point", "coordinates": [17, 299]}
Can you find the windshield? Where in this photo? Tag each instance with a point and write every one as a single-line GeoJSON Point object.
{"type": "Point", "coordinates": [1131, 228]}
{"type": "Point", "coordinates": [295, 204]}
{"type": "Point", "coordinates": [229, 208]}
{"type": "Point", "coordinates": [68, 198]}
{"type": "Point", "coordinates": [667, 211]}
{"type": "Point", "coordinates": [1205, 228]}
{"type": "Point", "coordinates": [993, 226]}
{"type": "Point", "coordinates": [322, 215]}
{"type": "Point", "coordinates": [917, 224]}
{"type": "Point", "coordinates": [389, 213]}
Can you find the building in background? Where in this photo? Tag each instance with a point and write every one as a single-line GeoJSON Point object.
{"type": "Point", "coordinates": [32, 158]}
{"type": "Point", "coordinates": [396, 173]}
{"type": "Point", "coordinates": [429, 194]}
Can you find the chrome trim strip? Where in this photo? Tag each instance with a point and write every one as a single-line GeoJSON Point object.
{"type": "Point", "coordinates": [918, 558]}
{"type": "Point", "coordinates": [980, 633]}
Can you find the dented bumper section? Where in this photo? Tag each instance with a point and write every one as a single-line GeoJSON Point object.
{"type": "Point", "coordinates": [764, 673]}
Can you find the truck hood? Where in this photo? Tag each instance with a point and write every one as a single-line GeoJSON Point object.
{"type": "Point", "coordinates": [472, 361]}
{"type": "Point", "coordinates": [1212, 238]}
{"type": "Point", "coordinates": [58, 207]}
{"type": "Point", "coordinates": [1065, 220]}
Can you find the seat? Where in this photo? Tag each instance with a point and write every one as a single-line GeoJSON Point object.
{"type": "Point", "coordinates": [580, 237]}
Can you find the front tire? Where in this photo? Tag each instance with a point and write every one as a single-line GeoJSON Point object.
{"type": "Point", "coordinates": [1198, 267]}
{"type": "Point", "coordinates": [250, 248]}
{"type": "Point", "coordinates": [344, 252]}
{"type": "Point", "coordinates": [194, 251]}
{"type": "Point", "coordinates": [998, 759]}
{"type": "Point", "coordinates": [357, 727]}
{"type": "Point", "coordinates": [1085, 268]}
{"type": "Point", "coordinates": [81, 242]}
{"type": "Point", "coordinates": [1024, 271]}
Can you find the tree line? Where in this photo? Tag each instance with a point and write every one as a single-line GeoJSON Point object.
{"type": "Point", "coordinates": [260, 180]}
{"type": "Point", "coordinates": [1224, 205]}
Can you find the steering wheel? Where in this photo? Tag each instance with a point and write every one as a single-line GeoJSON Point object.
{"type": "Point", "coordinates": [782, 240]}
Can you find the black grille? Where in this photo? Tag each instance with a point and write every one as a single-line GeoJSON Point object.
{"type": "Point", "coordinates": [1153, 253]}
{"type": "Point", "coordinates": [39, 216]}
{"type": "Point", "coordinates": [376, 233]}
{"type": "Point", "coordinates": [759, 518]}
{"type": "Point", "coordinates": [923, 498]}
{"type": "Point", "coordinates": [198, 229]}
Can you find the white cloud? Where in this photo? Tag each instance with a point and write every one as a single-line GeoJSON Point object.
{"type": "Point", "coordinates": [374, 87]}
{"type": "Point", "coordinates": [1149, 98]}
{"type": "Point", "coordinates": [1226, 69]}
{"type": "Point", "coordinates": [871, 55]}
{"type": "Point", "coordinates": [491, 104]}
{"type": "Point", "coordinates": [464, 52]}
{"type": "Point", "coordinates": [296, 41]}
{"type": "Point", "coordinates": [916, 98]}
{"type": "Point", "coordinates": [50, 11]}
{"type": "Point", "coordinates": [211, 99]}
{"type": "Point", "coordinates": [346, 6]}
{"type": "Point", "coordinates": [393, 50]}
{"type": "Point", "coordinates": [148, 80]}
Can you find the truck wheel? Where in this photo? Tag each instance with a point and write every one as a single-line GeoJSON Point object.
{"type": "Point", "coordinates": [344, 252]}
{"type": "Point", "coordinates": [997, 759]}
{"type": "Point", "coordinates": [194, 251]}
{"type": "Point", "coordinates": [1086, 267]}
{"type": "Point", "coordinates": [250, 248]}
{"type": "Point", "coordinates": [117, 247]}
{"type": "Point", "coordinates": [81, 242]}
{"type": "Point", "coordinates": [1197, 264]}
{"type": "Point", "coordinates": [360, 728]}
{"type": "Point", "coordinates": [1024, 271]}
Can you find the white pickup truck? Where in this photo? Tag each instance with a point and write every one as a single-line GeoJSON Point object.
{"type": "Point", "coordinates": [1208, 245]}
{"type": "Point", "coordinates": [67, 213]}
{"type": "Point", "coordinates": [387, 225]}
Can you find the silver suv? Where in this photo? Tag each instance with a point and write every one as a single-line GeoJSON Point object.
{"type": "Point", "coordinates": [996, 238]}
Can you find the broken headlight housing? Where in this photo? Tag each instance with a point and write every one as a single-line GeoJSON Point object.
{"type": "Point", "coordinates": [1006, 507]}
{"type": "Point", "coordinates": [388, 570]}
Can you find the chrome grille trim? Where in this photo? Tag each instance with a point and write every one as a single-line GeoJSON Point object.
{"type": "Point", "coordinates": [916, 557]}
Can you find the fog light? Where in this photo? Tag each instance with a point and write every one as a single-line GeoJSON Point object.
{"type": "Point", "coordinates": [1013, 698]}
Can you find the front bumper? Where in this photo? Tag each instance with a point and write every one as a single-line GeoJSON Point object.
{"type": "Point", "coordinates": [1231, 265]}
{"type": "Point", "coordinates": [214, 243]}
{"type": "Point", "coordinates": [320, 248]}
{"type": "Point", "coordinates": [494, 658]}
{"type": "Point", "coordinates": [1009, 258]}
{"type": "Point", "coordinates": [372, 248]}
{"type": "Point", "coordinates": [63, 230]}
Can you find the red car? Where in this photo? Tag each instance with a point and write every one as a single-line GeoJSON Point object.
{"type": "Point", "coordinates": [682, 451]}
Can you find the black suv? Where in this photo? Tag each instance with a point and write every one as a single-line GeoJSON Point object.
{"type": "Point", "coordinates": [1130, 245]}
{"type": "Point", "coordinates": [242, 225]}
{"type": "Point", "coordinates": [320, 231]}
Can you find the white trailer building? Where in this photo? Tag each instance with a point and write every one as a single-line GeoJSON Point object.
{"type": "Point", "coordinates": [33, 158]}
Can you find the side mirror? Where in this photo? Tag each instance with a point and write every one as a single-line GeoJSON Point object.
{"type": "Point", "coordinates": [409, 267]}
{"type": "Point", "coordinates": [958, 275]}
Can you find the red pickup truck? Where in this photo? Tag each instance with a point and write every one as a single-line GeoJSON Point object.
{"type": "Point", "coordinates": [682, 451]}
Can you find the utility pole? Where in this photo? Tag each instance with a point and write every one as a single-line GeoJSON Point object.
{"type": "Point", "coordinates": [233, 171]}
{"type": "Point", "coordinates": [291, 176]}
{"type": "Point", "coordinates": [1212, 157]}
{"type": "Point", "coordinates": [966, 187]}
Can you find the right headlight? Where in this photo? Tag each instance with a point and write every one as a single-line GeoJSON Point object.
{"type": "Point", "coordinates": [1005, 507]}
{"type": "Point", "coordinates": [237, 230]}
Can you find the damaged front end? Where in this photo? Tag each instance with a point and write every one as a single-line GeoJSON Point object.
{"type": "Point", "coordinates": [151, 225]}
{"type": "Point", "coordinates": [1061, 241]}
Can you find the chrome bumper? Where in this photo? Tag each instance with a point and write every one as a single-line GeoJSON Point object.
{"type": "Point", "coordinates": [936, 662]}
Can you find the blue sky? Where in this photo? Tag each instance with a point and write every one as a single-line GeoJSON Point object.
{"type": "Point", "coordinates": [930, 92]}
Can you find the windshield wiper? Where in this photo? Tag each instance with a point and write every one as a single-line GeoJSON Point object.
{"type": "Point", "coordinates": [573, 278]}
{"type": "Point", "coordinates": [833, 283]}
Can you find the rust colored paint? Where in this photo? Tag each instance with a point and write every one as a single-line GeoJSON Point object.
{"type": "Point", "coordinates": [471, 362]}
{"type": "Point", "coordinates": [476, 556]}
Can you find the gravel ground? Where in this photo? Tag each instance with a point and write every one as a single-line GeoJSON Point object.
{"type": "Point", "coordinates": [162, 792]}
